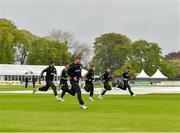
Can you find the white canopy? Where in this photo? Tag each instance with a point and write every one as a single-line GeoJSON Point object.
{"type": "Point", "coordinates": [8, 69]}
{"type": "Point", "coordinates": [142, 75]}
{"type": "Point", "coordinates": [158, 75]}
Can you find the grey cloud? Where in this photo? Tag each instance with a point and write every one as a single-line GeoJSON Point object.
{"type": "Point", "coordinates": [157, 21]}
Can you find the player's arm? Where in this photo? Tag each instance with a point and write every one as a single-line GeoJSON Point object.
{"type": "Point", "coordinates": [111, 75]}
{"type": "Point", "coordinates": [92, 76]}
{"type": "Point", "coordinates": [85, 76]}
{"type": "Point", "coordinates": [89, 76]}
{"type": "Point", "coordinates": [64, 75]}
{"type": "Point", "coordinates": [43, 71]}
{"type": "Point", "coordinates": [70, 72]}
{"type": "Point", "coordinates": [124, 76]}
{"type": "Point", "coordinates": [102, 77]}
{"type": "Point", "coordinates": [81, 77]}
{"type": "Point", "coordinates": [55, 71]}
{"type": "Point", "coordinates": [68, 78]}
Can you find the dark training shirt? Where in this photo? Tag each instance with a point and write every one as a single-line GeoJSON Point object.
{"type": "Point", "coordinates": [50, 71]}
{"type": "Point", "coordinates": [126, 75]}
{"type": "Point", "coordinates": [106, 76]}
{"type": "Point", "coordinates": [63, 76]}
{"type": "Point", "coordinates": [74, 71]}
{"type": "Point", "coordinates": [89, 76]}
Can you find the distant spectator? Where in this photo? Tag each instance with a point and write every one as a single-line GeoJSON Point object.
{"type": "Point", "coordinates": [26, 81]}
{"type": "Point", "coordinates": [34, 81]}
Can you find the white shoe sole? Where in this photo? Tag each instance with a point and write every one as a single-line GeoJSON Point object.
{"type": "Point", "coordinates": [91, 100]}
{"type": "Point", "coordinates": [84, 108]}
{"type": "Point", "coordinates": [100, 98]}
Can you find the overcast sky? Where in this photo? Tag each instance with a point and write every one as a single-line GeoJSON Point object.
{"type": "Point", "coordinates": [153, 20]}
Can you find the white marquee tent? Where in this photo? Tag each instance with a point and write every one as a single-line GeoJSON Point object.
{"type": "Point", "coordinates": [18, 72]}
{"type": "Point", "coordinates": [158, 75]}
{"type": "Point", "coordinates": [142, 75]}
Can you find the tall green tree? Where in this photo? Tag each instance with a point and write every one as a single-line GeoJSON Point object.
{"type": "Point", "coordinates": [74, 46]}
{"type": "Point", "coordinates": [168, 69]}
{"type": "Point", "coordinates": [44, 50]}
{"type": "Point", "coordinates": [7, 31]}
{"type": "Point", "coordinates": [21, 46]}
{"type": "Point", "coordinates": [106, 50]}
{"type": "Point", "coordinates": [146, 56]}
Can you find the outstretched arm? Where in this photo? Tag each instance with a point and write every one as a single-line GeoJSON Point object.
{"type": "Point", "coordinates": [55, 71]}
{"type": "Point", "coordinates": [102, 77]}
{"type": "Point", "coordinates": [124, 76]}
{"type": "Point", "coordinates": [41, 75]}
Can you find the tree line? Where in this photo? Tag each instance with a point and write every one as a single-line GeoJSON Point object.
{"type": "Point", "coordinates": [109, 49]}
{"type": "Point", "coordinates": [18, 45]}
{"type": "Point", "coordinates": [118, 51]}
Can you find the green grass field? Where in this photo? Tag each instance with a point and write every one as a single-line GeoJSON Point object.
{"type": "Point", "coordinates": [41, 112]}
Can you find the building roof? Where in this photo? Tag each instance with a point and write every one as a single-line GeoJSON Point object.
{"type": "Point", "coordinates": [142, 75]}
{"type": "Point", "coordinates": [158, 75]}
{"type": "Point", "coordinates": [9, 69]}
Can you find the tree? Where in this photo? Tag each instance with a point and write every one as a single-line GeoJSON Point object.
{"type": "Point", "coordinates": [122, 53]}
{"type": "Point", "coordinates": [106, 50]}
{"type": "Point", "coordinates": [43, 51]}
{"type": "Point", "coordinates": [85, 52]}
{"type": "Point", "coordinates": [23, 40]}
{"type": "Point", "coordinates": [64, 37]}
{"type": "Point", "coordinates": [172, 60]}
{"type": "Point", "coordinates": [173, 55]}
{"type": "Point", "coordinates": [146, 55]}
{"type": "Point", "coordinates": [74, 46]}
{"type": "Point", "coordinates": [7, 32]}
{"type": "Point", "coordinates": [14, 43]}
{"type": "Point", "coordinates": [167, 69]}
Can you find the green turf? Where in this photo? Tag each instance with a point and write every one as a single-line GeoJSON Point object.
{"type": "Point", "coordinates": [22, 88]}
{"type": "Point", "coordinates": [15, 87]}
{"type": "Point", "coordinates": [40, 112]}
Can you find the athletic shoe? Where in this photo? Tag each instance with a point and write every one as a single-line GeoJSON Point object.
{"type": "Point", "coordinates": [83, 107]}
{"type": "Point", "coordinates": [58, 99]}
{"type": "Point", "coordinates": [100, 97]}
{"type": "Point", "coordinates": [34, 90]}
{"type": "Point", "coordinates": [91, 99]}
{"type": "Point", "coordinates": [62, 100]}
{"type": "Point", "coordinates": [133, 95]}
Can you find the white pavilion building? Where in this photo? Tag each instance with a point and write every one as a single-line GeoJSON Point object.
{"type": "Point", "coordinates": [18, 73]}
